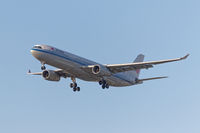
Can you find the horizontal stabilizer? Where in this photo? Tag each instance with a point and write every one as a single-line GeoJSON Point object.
{"type": "Point", "coordinates": [140, 80]}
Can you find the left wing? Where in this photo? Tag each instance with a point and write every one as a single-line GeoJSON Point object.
{"type": "Point", "coordinates": [115, 68]}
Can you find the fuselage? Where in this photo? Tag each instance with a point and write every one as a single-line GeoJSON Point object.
{"type": "Point", "coordinates": [73, 63]}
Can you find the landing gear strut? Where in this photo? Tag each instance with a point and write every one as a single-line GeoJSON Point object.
{"type": "Point", "coordinates": [74, 85]}
{"type": "Point", "coordinates": [104, 84]}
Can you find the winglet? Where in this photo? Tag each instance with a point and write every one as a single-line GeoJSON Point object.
{"type": "Point", "coordinates": [184, 57]}
{"type": "Point", "coordinates": [29, 71]}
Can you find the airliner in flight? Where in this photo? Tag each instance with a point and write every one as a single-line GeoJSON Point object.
{"type": "Point", "coordinates": [73, 66]}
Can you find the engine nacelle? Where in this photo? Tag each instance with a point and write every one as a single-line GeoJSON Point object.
{"type": "Point", "coordinates": [50, 75]}
{"type": "Point", "coordinates": [100, 70]}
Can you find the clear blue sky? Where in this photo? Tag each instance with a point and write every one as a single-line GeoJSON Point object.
{"type": "Point", "coordinates": [107, 31]}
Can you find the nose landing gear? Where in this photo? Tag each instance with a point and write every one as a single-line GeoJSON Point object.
{"type": "Point", "coordinates": [43, 66]}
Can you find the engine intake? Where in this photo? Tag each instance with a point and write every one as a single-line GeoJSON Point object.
{"type": "Point", "coordinates": [100, 70]}
{"type": "Point", "coordinates": [96, 69]}
{"type": "Point", "coordinates": [50, 75]}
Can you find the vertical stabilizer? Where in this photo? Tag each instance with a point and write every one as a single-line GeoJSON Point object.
{"type": "Point", "coordinates": [139, 58]}
{"type": "Point", "coordinates": [133, 75]}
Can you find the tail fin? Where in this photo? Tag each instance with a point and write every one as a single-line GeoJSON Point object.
{"type": "Point", "coordinates": [139, 58]}
{"type": "Point", "coordinates": [134, 74]}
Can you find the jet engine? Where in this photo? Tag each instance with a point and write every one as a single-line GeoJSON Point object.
{"type": "Point", "coordinates": [50, 75]}
{"type": "Point", "coordinates": [100, 70]}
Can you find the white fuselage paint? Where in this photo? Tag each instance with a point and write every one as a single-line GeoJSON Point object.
{"type": "Point", "coordinates": [72, 64]}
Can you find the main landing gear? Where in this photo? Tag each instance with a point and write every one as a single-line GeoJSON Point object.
{"type": "Point", "coordinates": [104, 84]}
{"type": "Point", "coordinates": [74, 85]}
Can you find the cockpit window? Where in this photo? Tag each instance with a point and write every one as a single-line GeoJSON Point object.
{"type": "Point", "coordinates": [39, 47]}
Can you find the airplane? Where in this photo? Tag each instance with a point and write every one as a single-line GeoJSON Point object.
{"type": "Point", "coordinates": [73, 66]}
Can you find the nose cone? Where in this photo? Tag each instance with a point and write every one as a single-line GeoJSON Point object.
{"type": "Point", "coordinates": [32, 52]}
{"type": "Point", "coordinates": [36, 54]}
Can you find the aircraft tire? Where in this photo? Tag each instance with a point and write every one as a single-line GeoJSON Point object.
{"type": "Point", "coordinates": [107, 86]}
{"type": "Point", "coordinates": [43, 67]}
{"type": "Point", "coordinates": [103, 86]}
{"type": "Point", "coordinates": [71, 85]}
{"type": "Point", "coordinates": [100, 82]}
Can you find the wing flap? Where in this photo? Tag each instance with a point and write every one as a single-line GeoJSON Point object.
{"type": "Point", "coordinates": [128, 67]}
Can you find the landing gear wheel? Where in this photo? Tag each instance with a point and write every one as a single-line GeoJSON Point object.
{"type": "Point", "coordinates": [71, 85]}
{"type": "Point", "coordinates": [103, 86]}
{"type": "Point", "coordinates": [78, 88]}
{"type": "Point", "coordinates": [100, 82]}
{"type": "Point", "coordinates": [43, 67]}
{"type": "Point", "coordinates": [107, 86]}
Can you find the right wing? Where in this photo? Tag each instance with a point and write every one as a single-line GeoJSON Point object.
{"type": "Point", "coordinates": [37, 73]}
{"type": "Point", "coordinates": [60, 72]}
{"type": "Point", "coordinates": [116, 68]}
